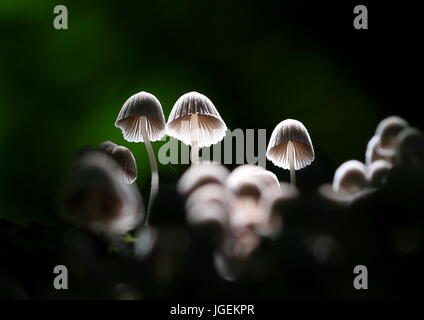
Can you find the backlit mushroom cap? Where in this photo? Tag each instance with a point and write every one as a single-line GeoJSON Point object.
{"type": "Point", "coordinates": [124, 157]}
{"type": "Point", "coordinates": [98, 198]}
{"type": "Point", "coordinates": [204, 173]}
{"type": "Point", "coordinates": [372, 151]}
{"type": "Point", "coordinates": [129, 119]}
{"type": "Point", "coordinates": [290, 131]}
{"type": "Point", "coordinates": [248, 171]}
{"type": "Point", "coordinates": [350, 178]}
{"type": "Point", "coordinates": [388, 129]}
{"type": "Point", "coordinates": [107, 147]}
{"type": "Point", "coordinates": [211, 126]}
{"type": "Point", "coordinates": [410, 148]}
{"type": "Point", "coordinates": [377, 172]}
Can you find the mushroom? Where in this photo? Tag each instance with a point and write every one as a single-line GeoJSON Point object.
{"type": "Point", "coordinates": [195, 121]}
{"type": "Point", "coordinates": [350, 178]}
{"type": "Point", "coordinates": [141, 120]}
{"type": "Point", "coordinates": [290, 147]}
{"type": "Point", "coordinates": [123, 156]}
{"type": "Point", "coordinates": [372, 154]}
{"type": "Point", "coordinates": [388, 129]}
{"type": "Point", "coordinates": [197, 176]}
{"type": "Point", "coordinates": [377, 172]}
{"type": "Point", "coordinates": [98, 198]}
{"type": "Point", "coordinates": [410, 148]}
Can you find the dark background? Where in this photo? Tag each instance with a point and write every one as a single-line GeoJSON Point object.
{"type": "Point", "coordinates": [260, 62]}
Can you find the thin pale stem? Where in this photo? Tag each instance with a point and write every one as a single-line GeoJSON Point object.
{"type": "Point", "coordinates": [194, 137]}
{"type": "Point", "coordinates": [154, 188]}
{"type": "Point", "coordinates": [291, 162]}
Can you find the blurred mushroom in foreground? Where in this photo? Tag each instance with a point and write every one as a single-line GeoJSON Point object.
{"type": "Point", "coordinates": [378, 171]}
{"type": "Point", "coordinates": [124, 157]}
{"type": "Point", "coordinates": [388, 130]}
{"type": "Point", "coordinates": [290, 147]}
{"type": "Point", "coordinates": [350, 182]}
{"type": "Point", "coordinates": [98, 198]}
{"type": "Point", "coordinates": [410, 148]}
{"type": "Point", "coordinates": [195, 121]}
{"type": "Point", "coordinates": [196, 176]}
{"type": "Point", "coordinates": [372, 154]}
{"type": "Point", "coordinates": [141, 119]}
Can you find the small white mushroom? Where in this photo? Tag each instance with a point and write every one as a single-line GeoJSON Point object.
{"type": "Point", "coordinates": [372, 154]}
{"type": "Point", "coordinates": [205, 173]}
{"type": "Point", "coordinates": [141, 119]}
{"type": "Point", "coordinates": [195, 121]}
{"type": "Point", "coordinates": [290, 147]}
{"type": "Point", "coordinates": [388, 129]}
{"type": "Point", "coordinates": [124, 157]}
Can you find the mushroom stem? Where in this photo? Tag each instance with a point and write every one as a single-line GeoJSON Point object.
{"type": "Point", "coordinates": [153, 166]}
{"type": "Point", "coordinates": [291, 162]}
{"type": "Point", "coordinates": [194, 137]}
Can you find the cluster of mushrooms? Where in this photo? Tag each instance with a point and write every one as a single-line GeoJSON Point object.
{"type": "Point", "coordinates": [395, 143]}
{"type": "Point", "coordinates": [240, 206]}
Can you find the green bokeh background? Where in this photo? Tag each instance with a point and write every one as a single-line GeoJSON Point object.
{"type": "Point", "coordinates": [62, 89]}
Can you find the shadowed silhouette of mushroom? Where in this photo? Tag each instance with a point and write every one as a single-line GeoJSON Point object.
{"type": "Point", "coordinates": [378, 171]}
{"type": "Point", "coordinates": [141, 119]}
{"type": "Point", "coordinates": [410, 148]}
{"type": "Point", "coordinates": [98, 198]}
{"type": "Point", "coordinates": [123, 156]}
{"type": "Point", "coordinates": [290, 147]}
{"type": "Point", "coordinates": [195, 121]}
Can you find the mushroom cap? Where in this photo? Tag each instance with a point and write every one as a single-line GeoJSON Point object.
{"type": "Point", "coordinates": [107, 146]}
{"type": "Point", "coordinates": [372, 153]}
{"type": "Point", "coordinates": [377, 172]}
{"type": "Point", "coordinates": [124, 157]}
{"type": "Point", "coordinates": [202, 174]}
{"type": "Point", "coordinates": [350, 177]}
{"type": "Point", "coordinates": [295, 132]}
{"type": "Point", "coordinates": [410, 148]}
{"type": "Point", "coordinates": [98, 198]}
{"type": "Point", "coordinates": [211, 126]}
{"type": "Point", "coordinates": [388, 129]}
{"type": "Point", "coordinates": [255, 176]}
{"type": "Point", "coordinates": [129, 119]}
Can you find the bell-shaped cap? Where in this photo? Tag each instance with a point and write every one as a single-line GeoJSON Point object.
{"type": "Point", "coordinates": [132, 114]}
{"type": "Point", "coordinates": [372, 153]}
{"type": "Point", "coordinates": [250, 175]}
{"type": "Point", "coordinates": [202, 174]}
{"type": "Point", "coordinates": [388, 130]}
{"type": "Point", "coordinates": [378, 171]}
{"type": "Point", "coordinates": [278, 148]}
{"type": "Point", "coordinates": [98, 198]}
{"type": "Point", "coordinates": [107, 147]}
{"type": "Point", "coordinates": [350, 178]}
{"type": "Point", "coordinates": [211, 126]}
{"type": "Point", "coordinates": [124, 157]}
{"type": "Point", "coordinates": [410, 148]}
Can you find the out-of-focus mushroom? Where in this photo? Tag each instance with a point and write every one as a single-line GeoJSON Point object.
{"type": "Point", "coordinates": [410, 148]}
{"type": "Point", "coordinates": [195, 121]}
{"type": "Point", "coordinates": [107, 147]}
{"type": "Point", "coordinates": [205, 173]}
{"type": "Point", "coordinates": [350, 182]}
{"type": "Point", "coordinates": [98, 198]}
{"type": "Point", "coordinates": [290, 147]}
{"type": "Point", "coordinates": [378, 171]}
{"type": "Point", "coordinates": [124, 157]}
{"type": "Point", "coordinates": [388, 129]}
{"type": "Point", "coordinates": [372, 154]}
{"type": "Point", "coordinates": [141, 119]}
